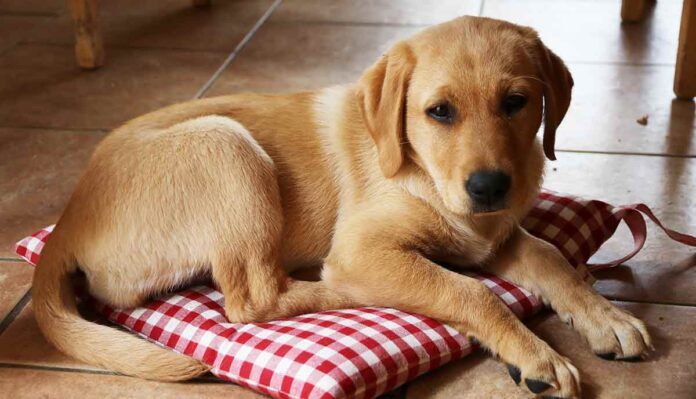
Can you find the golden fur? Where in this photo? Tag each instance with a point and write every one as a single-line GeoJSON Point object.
{"type": "Point", "coordinates": [356, 178]}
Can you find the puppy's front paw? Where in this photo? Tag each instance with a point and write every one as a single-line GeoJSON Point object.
{"type": "Point", "coordinates": [613, 334]}
{"type": "Point", "coordinates": [548, 374]}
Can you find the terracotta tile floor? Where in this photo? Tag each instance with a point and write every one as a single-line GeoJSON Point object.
{"type": "Point", "coordinates": [52, 115]}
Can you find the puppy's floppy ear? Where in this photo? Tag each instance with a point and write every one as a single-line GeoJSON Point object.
{"type": "Point", "coordinates": [381, 98]}
{"type": "Point", "coordinates": [557, 90]}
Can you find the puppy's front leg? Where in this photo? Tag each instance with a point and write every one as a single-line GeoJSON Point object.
{"type": "Point", "coordinates": [539, 267]}
{"type": "Point", "coordinates": [399, 278]}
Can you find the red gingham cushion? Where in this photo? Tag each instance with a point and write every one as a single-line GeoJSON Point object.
{"type": "Point", "coordinates": [356, 353]}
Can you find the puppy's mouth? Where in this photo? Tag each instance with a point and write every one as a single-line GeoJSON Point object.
{"type": "Point", "coordinates": [489, 210]}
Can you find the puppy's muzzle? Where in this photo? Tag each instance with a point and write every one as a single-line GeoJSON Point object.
{"type": "Point", "coordinates": [488, 190]}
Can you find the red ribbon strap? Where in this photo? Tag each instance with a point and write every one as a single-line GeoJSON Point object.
{"type": "Point", "coordinates": [633, 216]}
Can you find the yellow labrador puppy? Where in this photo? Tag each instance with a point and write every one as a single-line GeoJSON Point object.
{"type": "Point", "coordinates": [431, 157]}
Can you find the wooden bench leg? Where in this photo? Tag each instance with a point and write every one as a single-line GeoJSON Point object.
{"type": "Point", "coordinates": [685, 73]}
{"type": "Point", "coordinates": [633, 10]}
{"type": "Point", "coordinates": [89, 46]}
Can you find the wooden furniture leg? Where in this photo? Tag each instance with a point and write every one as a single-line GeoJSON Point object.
{"type": "Point", "coordinates": [685, 73]}
{"type": "Point", "coordinates": [89, 46]}
{"type": "Point", "coordinates": [633, 10]}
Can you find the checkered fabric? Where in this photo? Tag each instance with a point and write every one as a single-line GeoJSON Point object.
{"type": "Point", "coordinates": [356, 353]}
{"type": "Point", "coordinates": [30, 247]}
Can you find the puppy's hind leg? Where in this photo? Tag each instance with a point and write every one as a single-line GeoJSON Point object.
{"type": "Point", "coordinates": [248, 271]}
{"type": "Point", "coordinates": [245, 259]}
{"type": "Point", "coordinates": [258, 289]}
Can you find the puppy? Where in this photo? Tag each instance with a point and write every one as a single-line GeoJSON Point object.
{"type": "Point", "coordinates": [431, 157]}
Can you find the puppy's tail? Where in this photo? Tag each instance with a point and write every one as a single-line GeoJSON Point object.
{"type": "Point", "coordinates": [59, 320]}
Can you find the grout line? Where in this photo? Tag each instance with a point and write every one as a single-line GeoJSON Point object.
{"type": "Point", "coordinates": [60, 129]}
{"type": "Point", "coordinates": [57, 368]}
{"type": "Point", "coordinates": [665, 303]}
{"type": "Point", "coordinates": [122, 47]}
{"type": "Point", "coordinates": [148, 48]}
{"type": "Point", "coordinates": [315, 22]}
{"type": "Point", "coordinates": [207, 85]}
{"type": "Point", "coordinates": [319, 22]}
{"type": "Point", "coordinates": [205, 380]}
{"type": "Point", "coordinates": [645, 154]}
{"type": "Point", "coordinates": [480, 11]}
{"type": "Point", "coordinates": [29, 14]}
{"type": "Point", "coordinates": [15, 311]}
{"type": "Point", "coordinates": [3, 259]}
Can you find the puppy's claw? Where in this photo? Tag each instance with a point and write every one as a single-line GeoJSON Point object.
{"type": "Point", "coordinates": [607, 356]}
{"type": "Point", "coordinates": [536, 386]}
{"type": "Point", "coordinates": [632, 359]}
{"type": "Point", "coordinates": [515, 373]}
{"type": "Point", "coordinates": [613, 334]}
{"type": "Point", "coordinates": [612, 356]}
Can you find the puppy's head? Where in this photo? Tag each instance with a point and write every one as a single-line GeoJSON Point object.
{"type": "Point", "coordinates": [463, 102]}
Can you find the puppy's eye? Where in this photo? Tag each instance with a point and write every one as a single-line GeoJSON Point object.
{"type": "Point", "coordinates": [441, 113]}
{"type": "Point", "coordinates": [513, 103]}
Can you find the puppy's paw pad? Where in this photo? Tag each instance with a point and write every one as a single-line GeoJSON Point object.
{"type": "Point", "coordinates": [515, 373]}
{"type": "Point", "coordinates": [554, 376]}
{"type": "Point", "coordinates": [536, 386]}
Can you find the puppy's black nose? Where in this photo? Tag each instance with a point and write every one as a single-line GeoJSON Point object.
{"type": "Point", "coordinates": [488, 188]}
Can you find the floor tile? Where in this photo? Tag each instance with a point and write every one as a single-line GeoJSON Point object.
{"type": "Point", "coordinates": [664, 271]}
{"type": "Point", "coordinates": [23, 344]}
{"type": "Point", "coordinates": [329, 54]}
{"type": "Point", "coordinates": [476, 376]}
{"type": "Point", "coordinates": [609, 99]}
{"type": "Point", "coordinates": [170, 24]}
{"type": "Point", "coordinates": [591, 30]}
{"type": "Point", "coordinates": [44, 7]}
{"type": "Point", "coordinates": [669, 373]}
{"type": "Point", "coordinates": [14, 28]}
{"type": "Point", "coordinates": [42, 87]}
{"type": "Point", "coordinates": [404, 12]}
{"type": "Point", "coordinates": [38, 171]}
{"type": "Point", "coordinates": [15, 280]}
{"type": "Point", "coordinates": [20, 383]}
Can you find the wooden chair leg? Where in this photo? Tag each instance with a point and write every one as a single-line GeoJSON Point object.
{"type": "Point", "coordinates": [201, 3]}
{"type": "Point", "coordinates": [89, 46]}
{"type": "Point", "coordinates": [633, 10]}
{"type": "Point", "coordinates": [685, 73]}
